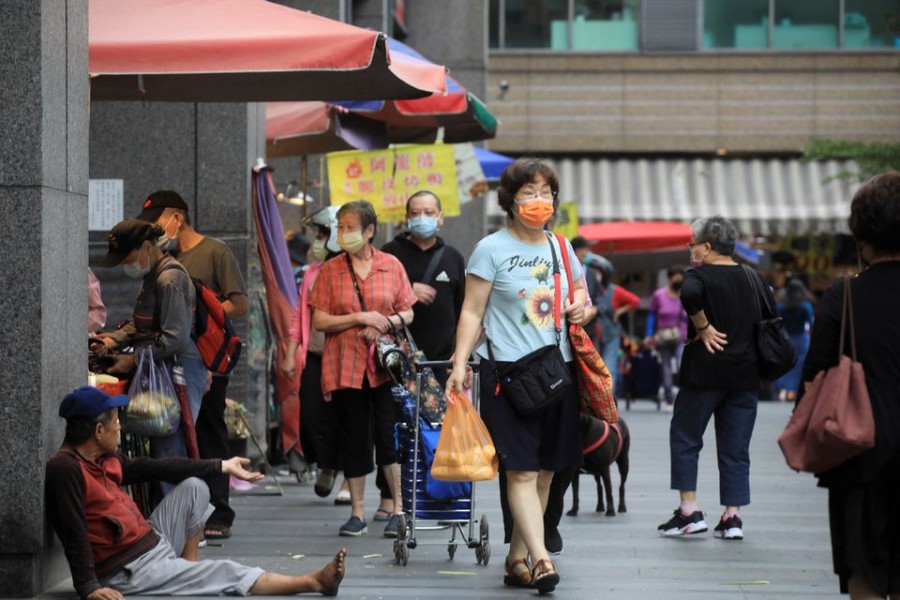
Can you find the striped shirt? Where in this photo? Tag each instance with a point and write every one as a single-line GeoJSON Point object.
{"type": "Point", "coordinates": [386, 290]}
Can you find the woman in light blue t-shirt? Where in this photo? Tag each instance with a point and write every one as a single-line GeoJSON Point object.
{"type": "Point", "coordinates": [510, 293]}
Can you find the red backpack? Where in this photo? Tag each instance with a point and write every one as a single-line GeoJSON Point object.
{"type": "Point", "coordinates": [219, 345]}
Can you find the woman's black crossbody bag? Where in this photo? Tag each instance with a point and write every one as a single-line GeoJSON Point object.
{"type": "Point", "coordinates": [541, 378]}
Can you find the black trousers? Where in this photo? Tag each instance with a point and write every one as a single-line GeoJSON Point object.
{"type": "Point", "coordinates": [212, 440]}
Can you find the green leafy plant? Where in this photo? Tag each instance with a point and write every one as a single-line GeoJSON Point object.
{"type": "Point", "coordinates": [872, 158]}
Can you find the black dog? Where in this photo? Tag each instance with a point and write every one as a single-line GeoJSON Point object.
{"type": "Point", "coordinates": [603, 445]}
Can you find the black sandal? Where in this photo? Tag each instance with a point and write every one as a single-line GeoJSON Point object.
{"type": "Point", "coordinates": [544, 576]}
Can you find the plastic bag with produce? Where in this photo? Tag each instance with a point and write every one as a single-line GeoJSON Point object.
{"type": "Point", "coordinates": [153, 409]}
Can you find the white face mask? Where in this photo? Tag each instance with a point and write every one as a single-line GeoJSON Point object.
{"type": "Point", "coordinates": [319, 251]}
{"type": "Point", "coordinates": [135, 270]}
{"type": "Point", "coordinates": [351, 242]}
{"type": "Point", "coordinates": [166, 242]}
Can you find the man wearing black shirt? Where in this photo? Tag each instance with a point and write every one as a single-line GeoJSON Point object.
{"type": "Point", "coordinates": [437, 273]}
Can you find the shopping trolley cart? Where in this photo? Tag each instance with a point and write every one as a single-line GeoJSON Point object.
{"type": "Point", "coordinates": [450, 505]}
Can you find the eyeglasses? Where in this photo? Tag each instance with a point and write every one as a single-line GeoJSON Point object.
{"type": "Point", "coordinates": [690, 245]}
{"type": "Point", "coordinates": [532, 195]}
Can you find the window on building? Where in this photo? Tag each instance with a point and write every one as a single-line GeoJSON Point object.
{"type": "Point", "coordinates": [599, 25]}
{"type": "Point", "coordinates": [740, 24]}
{"type": "Point", "coordinates": [605, 25]}
{"type": "Point", "coordinates": [532, 23]}
{"type": "Point", "coordinates": [801, 24]}
{"type": "Point", "coordinates": [872, 24]}
{"type": "Point", "coordinates": [494, 24]}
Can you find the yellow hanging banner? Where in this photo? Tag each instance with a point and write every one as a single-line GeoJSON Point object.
{"type": "Point", "coordinates": [567, 220]}
{"type": "Point", "coordinates": [427, 167]}
{"type": "Point", "coordinates": [360, 175]}
{"type": "Point", "coordinates": [386, 178]}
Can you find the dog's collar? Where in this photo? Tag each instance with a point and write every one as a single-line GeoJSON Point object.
{"type": "Point", "coordinates": [602, 439]}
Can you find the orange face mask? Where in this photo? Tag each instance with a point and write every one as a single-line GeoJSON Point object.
{"type": "Point", "coordinates": [535, 213]}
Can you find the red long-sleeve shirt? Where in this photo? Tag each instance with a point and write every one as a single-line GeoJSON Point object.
{"type": "Point", "coordinates": [622, 297]}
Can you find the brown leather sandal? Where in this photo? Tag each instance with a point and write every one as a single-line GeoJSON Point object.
{"type": "Point", "coordinates": [544, 576]}
{"type": "Point", "coordinates": [517, 579]}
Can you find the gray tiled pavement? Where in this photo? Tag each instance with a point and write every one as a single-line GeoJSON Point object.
{"type": "Point", "coordinates": [785, 554]}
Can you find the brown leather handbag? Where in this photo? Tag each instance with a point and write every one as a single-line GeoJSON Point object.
{"type": "Point", "coordinates": [833, 422]}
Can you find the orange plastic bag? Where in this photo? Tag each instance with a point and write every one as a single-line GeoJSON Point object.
{"type": "Point", "coordinates": [465, 451]}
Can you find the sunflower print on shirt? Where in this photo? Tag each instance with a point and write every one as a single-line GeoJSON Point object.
{"type": "Point", "coordinates": [539, 307]}
{"type": "Point", "coordinates": [539, 302]}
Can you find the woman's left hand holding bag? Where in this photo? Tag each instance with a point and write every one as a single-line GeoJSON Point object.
{"type": "Point", "coordinates": [369, 334]}
{"type": "Point", "coordinates": [374, 320]}
{"type": "Point", "coordinates": [574, 311]}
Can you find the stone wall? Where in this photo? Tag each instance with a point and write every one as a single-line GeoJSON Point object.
{"type": "Point", "coordinates": [43, 209]}
{"type": "Point", "coordinates": [697, 102]}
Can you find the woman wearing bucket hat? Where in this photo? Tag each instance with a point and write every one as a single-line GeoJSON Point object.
{"type": "Point", "coordinates": [162, 318]}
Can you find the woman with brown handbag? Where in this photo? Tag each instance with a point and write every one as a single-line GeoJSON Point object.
{"type": "Point", "coordinates": [864, 492]}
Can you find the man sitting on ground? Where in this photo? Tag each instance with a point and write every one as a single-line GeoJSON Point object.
{"type": "Point", "coordinates": [112, 550]}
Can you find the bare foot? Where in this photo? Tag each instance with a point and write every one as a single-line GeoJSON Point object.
{"type": "Point", "coordinates": [330, 577]}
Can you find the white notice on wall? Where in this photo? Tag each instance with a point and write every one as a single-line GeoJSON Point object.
{"type": "Point", "coordinates": [106, 200]}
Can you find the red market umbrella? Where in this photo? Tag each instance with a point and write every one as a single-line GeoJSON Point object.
{"type": "Point", "coordinates": [635, 236]}
{"type": "Point", "coordinates": [241, 51]}
{"type": "Point", "coordinates": [301, 128]}
{"type": "Point", "coordinates": [462, 115]}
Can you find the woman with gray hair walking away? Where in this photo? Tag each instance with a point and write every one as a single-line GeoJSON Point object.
{"type": "Point", "coordinates": [719, 377]}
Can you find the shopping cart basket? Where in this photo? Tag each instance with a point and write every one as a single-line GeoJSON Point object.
{"type": "Point", "coordinates": [450, 504]}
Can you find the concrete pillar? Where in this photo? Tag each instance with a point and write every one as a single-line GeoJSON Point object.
{"type": "Point", "coordinates": [454, 34]}
{"type": "Point", "coordinates": [43, 307]}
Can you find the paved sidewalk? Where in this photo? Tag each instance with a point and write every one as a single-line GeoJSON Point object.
{"type": "Point", "coordinates": [785, 553]}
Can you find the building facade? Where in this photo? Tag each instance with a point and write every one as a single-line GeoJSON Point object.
{"type": "Point", "coordinates": [652, 86]}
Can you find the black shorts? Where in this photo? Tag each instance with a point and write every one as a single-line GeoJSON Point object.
{"type": "Point", "coordinates": [550, 440]}
{"type": "Point", "coordinates": [365, 418]}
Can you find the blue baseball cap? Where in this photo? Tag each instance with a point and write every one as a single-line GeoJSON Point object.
{"type": "Point", "coordinates": [88, 401]}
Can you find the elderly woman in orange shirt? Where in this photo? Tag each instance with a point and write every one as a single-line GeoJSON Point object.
{"type": "Point", "coordinates": [359, 295]}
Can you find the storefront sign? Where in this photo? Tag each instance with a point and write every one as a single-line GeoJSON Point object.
{"type": "Point", "coordinates": [386, 178]}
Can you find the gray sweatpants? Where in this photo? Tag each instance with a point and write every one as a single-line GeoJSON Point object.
{"type": "Point", "coordinates": [161, 571]}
